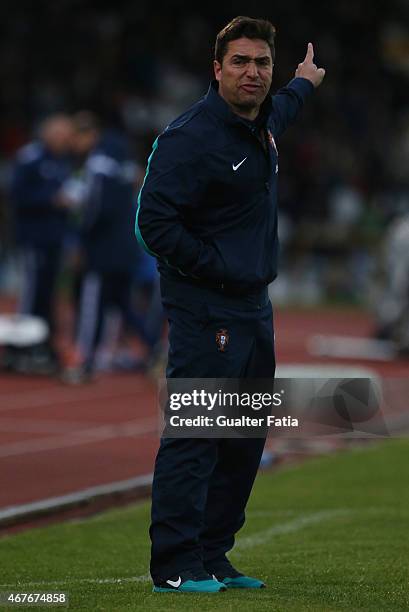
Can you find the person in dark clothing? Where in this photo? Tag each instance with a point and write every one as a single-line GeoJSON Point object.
{"type": "Point", "coordinates": [208, 212]}
{"type": "Point", "coordinates": [40, 221]}
{"type": "Point", "coordinates": [110, 254]}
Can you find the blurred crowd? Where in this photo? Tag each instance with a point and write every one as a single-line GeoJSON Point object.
{"type": "Point", "coordinates": [344, 181]}
{"type": "Point", "coordinates": [72, 195]}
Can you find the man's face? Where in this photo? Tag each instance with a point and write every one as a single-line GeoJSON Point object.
{"type": "Point", "coordinates": [245, 75]}
{"type": "Point", "coordinates": [84, 141]}
{"type": "Point", "coordinates": [57, 134]}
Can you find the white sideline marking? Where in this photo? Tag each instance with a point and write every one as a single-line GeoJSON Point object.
{"type": "Point", "coordinates": [143, 578]}
{"type": "Point", "coordinates": [242, 544]}
{"type": "Point", "coordinates": [289, 527]}
{"type": "Point", "coordinates": [77, 438]}
{"type": "Point", "coordinates": [351, 347]}
{"type": "Point", "coordinates": [41, 426]}
{"type": "Point", "coordinates": [43, 397]}
{"type": "Point", "coordinates": [322, 370]}
{"type": "Point", "coordinates": [76, 497]}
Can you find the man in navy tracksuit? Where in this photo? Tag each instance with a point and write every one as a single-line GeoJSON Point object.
{"type": "Point", "coordinates": [40, 218]}
{"type": "Point", "coordinates": [208, 212]}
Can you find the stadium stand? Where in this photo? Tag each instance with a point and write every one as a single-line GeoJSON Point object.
{"type": "Point", "coordinates": [343, 178]}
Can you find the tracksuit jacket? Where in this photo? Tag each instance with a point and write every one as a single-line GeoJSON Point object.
{"type": "Point", "coordinates": [109, 208]}
{"type": "Point", "coordinates": [38, 175]}
{"type": "Point", "coordinates": [208, 206]}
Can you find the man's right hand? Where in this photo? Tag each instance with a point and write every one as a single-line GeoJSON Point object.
{"type": "Point", "coordinates": [308, 70]}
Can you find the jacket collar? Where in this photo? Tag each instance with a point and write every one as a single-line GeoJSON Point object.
{"type": "Point", "coordinates": [219, 107]}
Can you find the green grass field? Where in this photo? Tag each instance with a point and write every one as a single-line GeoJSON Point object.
{"type": "Point", "coordinates": [330, 534]}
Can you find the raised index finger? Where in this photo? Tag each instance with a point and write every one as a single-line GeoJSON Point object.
{"type": "Point", "coordinates": [310, 53]}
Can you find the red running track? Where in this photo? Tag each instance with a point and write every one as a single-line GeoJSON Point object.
{"type": "Point", "coordinates": [56, 439]}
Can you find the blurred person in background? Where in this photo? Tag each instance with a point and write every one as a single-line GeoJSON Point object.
{"type": "Point", "coordinates": [39, 213]}
{"type": "Point", "coordinates": [392, 299]}
{"type": "Point", "coordinates": [110, 255]}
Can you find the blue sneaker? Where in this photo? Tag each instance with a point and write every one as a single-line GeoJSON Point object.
{"type": "Point", "coordinates": [228, 575]}
{"type": "Point", "coordinates": [243, 582]}
{"type": "Point", "coordinates": [190, 582]}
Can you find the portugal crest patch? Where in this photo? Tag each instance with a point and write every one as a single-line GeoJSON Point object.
{"type": "Point", "coordinates": [222, 339]}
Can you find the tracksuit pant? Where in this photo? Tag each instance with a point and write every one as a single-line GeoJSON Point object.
{"type": "Point", "coordinates": [41, 266]}
{"type": "Point", "coordinates": [100, 292]}
{"type": "Point", "coordinates": [201, 486]}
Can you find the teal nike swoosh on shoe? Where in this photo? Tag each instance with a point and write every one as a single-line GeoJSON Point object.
{"type": "Point", "coordinates": [228, 575]}
{"type": "Point", "coordinates": [243, 582]}
{"type": "Point", "coordinates": [189, 582]}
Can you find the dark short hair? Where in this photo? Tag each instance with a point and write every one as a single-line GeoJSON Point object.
{"type": "Point", "coordinates": [247, 27]}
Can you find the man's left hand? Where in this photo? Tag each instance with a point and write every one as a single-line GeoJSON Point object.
{"type": "Point", "coordinates": [308, 70]}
